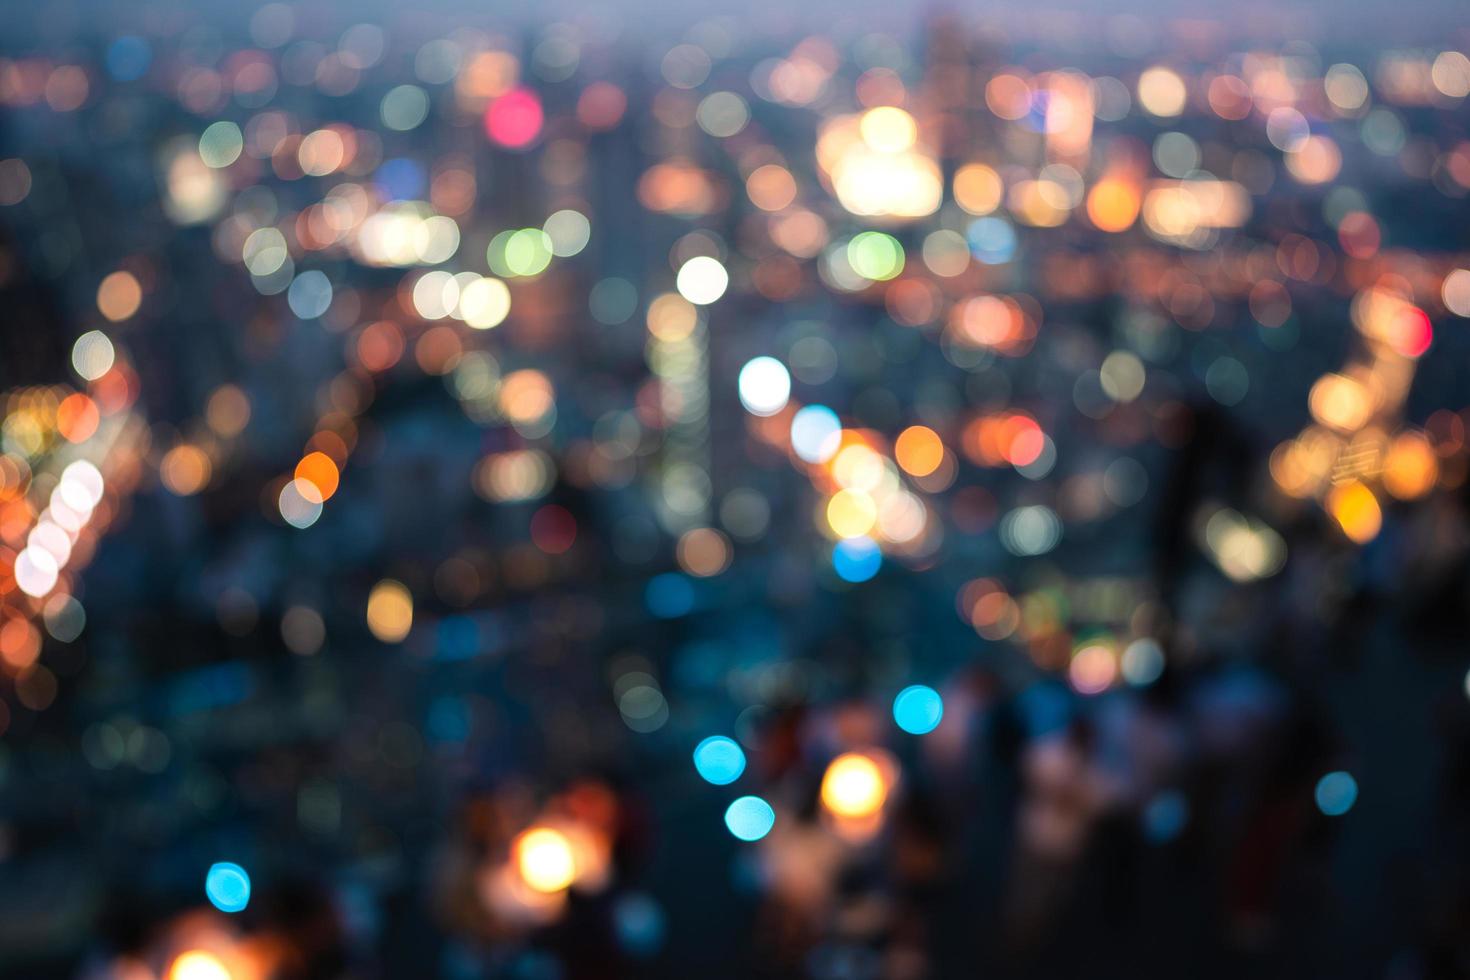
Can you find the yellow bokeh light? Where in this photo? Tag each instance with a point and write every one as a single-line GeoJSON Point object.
{"type": "Point", "coordinates": [1039, 203]}
{"type": "Point", "coordinates": [484, 303]}
{"type": "Point", "coordinates": [888, 129]}
{"type": "Point", "coordinates": [977, 188]}
{"type": "Point", "coordinates": [671, 317]}
{"type": "Point", "coordinates": [198, 965]}
{"type": "Point", "coordinates": [1410, 468]}
{"type": "Point", "coordinates": [857, 467]}
{"type": "Point", "coordinates": [1113, 204]}
{"type": "Point", "coordinates": [902, 184]}
{"type": "Point", "coordinates": [1340, 402]}
{"type": "Point", "coordinates": [185, 469]}
{"type": "Point", "coordinates": [853, 787]}
{"type": "Point", "coordinates": [526, 396]}
{"type": "Point", "coordinates": [851, 513]}
{"type": "Point", "coordinates": [390, 611]}
{"type": "Point", "coordinates": [544, 860]}
{"type": "Point", "coordinates": [1161, 91]}
{"type": "Point", "coordinates": [1356, 511]}
{"type": "Point", "coordinates": [919, 450]}
{"type": "Point", "coordinates": [1316, 161]}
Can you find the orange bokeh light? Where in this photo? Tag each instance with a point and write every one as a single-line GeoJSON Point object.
{"type": "Point", "coordinates": [318, 469]}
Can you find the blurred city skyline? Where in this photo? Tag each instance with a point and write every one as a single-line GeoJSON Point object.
{"type": "Point", "coordinates": [550, 491]}
{"type": "Point", "coordinates": [1085, 26]}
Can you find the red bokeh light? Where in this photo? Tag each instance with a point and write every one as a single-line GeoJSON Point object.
{"type": "Point", "coordinates": [514, 120]}
{"type": "Point", "coordinates": [553, 529]}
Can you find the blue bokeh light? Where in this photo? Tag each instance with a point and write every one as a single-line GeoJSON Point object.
{"type": "Point", "coordinates": [992, 240]}
{"type": "Point", "coordinates": [1336, 793]}
{"type": "Point", "coordinates": [128, 58]}
{"type": "Point", "coordinates": [918, 709]}
{"type": "Point", "coordinates": [1165, 816]}
{"type": "Point", "coordinates": [856, 559]}
{"type": "Point", "coordinates": [310, 294]}
{"type": "Point", "coordinates": [401, 179]}
{"type": "Point", "coordinates": [750, 818]}
{"type": "Point", "coordinates": [816, 432]}
{"type": "Point", "coordinates": [640, 924]}
{"type": "Point", "coordinates": [669, 595]}
{"type": "Point", "coordinates": [719, 759]}
{"type": "Point", "coordinates": [227, 886]}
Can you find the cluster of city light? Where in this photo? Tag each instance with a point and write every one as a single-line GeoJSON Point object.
{"type": "Point", "coordinates": [1356, 450]}
{"type": "Point", "coordinates": [49, 545]}
{"type": "Point", "coordinates": [855, 786]}
{"type": "Point", "coordinates": [403, 233]}
{"type": "Point", "coordinates": [55, 444]}
{"type": "Point", "coordinates": [480, 302]}
{"type": "Point", "coordinates": [1068, 630]}
{"type": "Point", "coordinates": [1190, 212]}
{"type": "Point", "coordinates": [867, 498]}
{"type": "Point", "coordinates": [881, 165]}
{"type": "Point", "coordinates": [878, 166]}
{"type": "Point", "coordinates": [866, 506]}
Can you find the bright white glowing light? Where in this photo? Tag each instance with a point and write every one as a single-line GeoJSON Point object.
{"type": "Point", "coordinates": [484, 303]}
{"type": "Point", "coordinates": [702, 280]}
{"type": "Point", "coordinates": [36, 571]}
{"type": "Point", "coordinates": [81, 485]}
{"type": "Point", "coordinates": [765, 386]}
{"type": "Point", "coordinates": [816, 433]}
{"type": "Point", "coordinates": [92, 355]}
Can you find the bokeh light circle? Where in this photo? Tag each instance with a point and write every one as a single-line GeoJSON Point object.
{"type": "Point", "coordinates": [918, 709]}
{"type": "Point", "coordinates": [750, 818]}
{"type": "Point", "coordinates": [719, 760]}
{"type": "Point", "coordinates": [227, 886]}
{"type": "Point", "coordinates": [702, 280]}
{"type": "Point", "coordinates": [1336, 793]}
{"type": "Point", "coordinates": [816, 433]}
{"type": "Point", "coordinates": [856, 559]}
{"type": "Point", "coordinates": [765, 386]}
{"type": "Point", "coordinates": [514, 120]}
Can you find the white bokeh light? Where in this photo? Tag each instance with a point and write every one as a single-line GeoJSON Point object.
{"type": "Point", "coordinates": [36, 571]}
{"type": "Point", "coordinates": [765, 386]}
{"type": "Point", "coordinates": [702, 280]}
